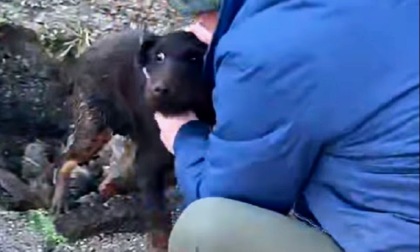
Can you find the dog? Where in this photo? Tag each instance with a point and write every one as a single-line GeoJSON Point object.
{"type": "Point", "coordinates": [118, 84]}
{"type": "Point", "coordinates": [175, 82]}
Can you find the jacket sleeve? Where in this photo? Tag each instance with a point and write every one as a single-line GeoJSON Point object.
{"type": "Point", "coordinates": [261, 150]}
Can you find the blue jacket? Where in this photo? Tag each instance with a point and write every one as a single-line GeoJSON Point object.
{"type": "Point", "coordinates": [317, 107]}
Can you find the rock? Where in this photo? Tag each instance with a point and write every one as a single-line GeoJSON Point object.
{"type": "Point", "coordinates": [34, 160]}
{"type": "Point", "coordinates": [18, 195]}
{"type": "Point", "coordinates": [32, 100]}
{"type": "Point", "coordinates": [118, 215]}
{"type": "Point", "coordinates": [119, 173]}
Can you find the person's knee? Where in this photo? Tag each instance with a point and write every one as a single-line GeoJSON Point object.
{"type": "Point", "coordinates": [217, 224]}
{"type": "Point", "coordinates": [201, 221]}
{"type": "Point", "coordinates": [202, 215]}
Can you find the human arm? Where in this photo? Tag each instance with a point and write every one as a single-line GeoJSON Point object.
{"type": "Point", "coordinates": [262, 148]}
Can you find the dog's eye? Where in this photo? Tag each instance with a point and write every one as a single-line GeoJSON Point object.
{"type": "Point", "coordinates": [160, 57]}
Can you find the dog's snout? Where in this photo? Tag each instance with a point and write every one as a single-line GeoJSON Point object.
{"type": "Point", "coordinates": [160, 89]}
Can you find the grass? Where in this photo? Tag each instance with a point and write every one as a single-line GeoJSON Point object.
{"type": "Point", "coordinates": [4, 18]}
{"type": "Point", "coordinates": [43, 224]}
{"type": "Point", "coordinates": [69, 41]}
{"type": "Point", "coordinates": [62, 40]}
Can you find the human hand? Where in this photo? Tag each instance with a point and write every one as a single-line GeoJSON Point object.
{"type": "Point", "coordinates": [200, 32]}
{"type": "Point", "coordinates": [169, 127]}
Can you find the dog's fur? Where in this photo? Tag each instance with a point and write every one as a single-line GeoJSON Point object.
{"type": "Point", "coordinates": [115, 93]}
{"type": "Point", "coordinates": [175, 82]}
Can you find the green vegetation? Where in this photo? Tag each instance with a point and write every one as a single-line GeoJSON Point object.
{"type": "Point", "coordinates": [68, 42]}
{"type": "Point", "coordinates": [42, 223]}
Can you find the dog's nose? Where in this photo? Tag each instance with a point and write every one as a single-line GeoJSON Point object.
{"type": "Point", "coordinates": [160, 90]}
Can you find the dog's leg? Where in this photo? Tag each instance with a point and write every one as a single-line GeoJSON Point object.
{"type": "Point", "coordinates": [72, 159]}
{"type": "Point", "coordinates": [59, 200]}
{"type": "Point", "coordinates": [151, 168]}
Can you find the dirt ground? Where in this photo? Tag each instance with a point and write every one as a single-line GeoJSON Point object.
{"type": "Point", "coordinates": [17, 235]}
{"type": "Point", "coordinates": [50, 18]}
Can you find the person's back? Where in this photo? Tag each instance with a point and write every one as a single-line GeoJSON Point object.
{"type": "Point", "coordinates": [324, 110]}
{"type": "Point", "coordinates": [363, 104]}
{"type": "Point", "coordinates": [365, 188]}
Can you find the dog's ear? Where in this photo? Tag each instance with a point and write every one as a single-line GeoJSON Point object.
{"type": "Point", "coordinates": [147, 41]}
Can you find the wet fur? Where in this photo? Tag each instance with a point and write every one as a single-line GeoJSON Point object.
{"type": "Point", "coordinates": [110, 97]}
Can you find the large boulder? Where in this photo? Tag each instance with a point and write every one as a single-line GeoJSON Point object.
{"type": "Point", "coordinates": [32, 97]}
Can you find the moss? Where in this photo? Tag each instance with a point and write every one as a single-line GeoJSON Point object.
{"type": "Point", "coordinates": [42, 223]}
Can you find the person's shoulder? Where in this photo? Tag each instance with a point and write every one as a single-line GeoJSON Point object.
{"type": "Point", "coordinates": [273, 36]}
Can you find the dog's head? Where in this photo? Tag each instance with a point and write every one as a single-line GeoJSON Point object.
{"type": "Point", "coordinates": [173, 66]}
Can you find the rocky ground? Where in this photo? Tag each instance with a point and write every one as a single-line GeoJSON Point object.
{"type": "Point", "coordinates": [17, 235]}
{"type": "Point", "coordinates": [55, 21]}
{"type": "Point", "coordinates": [50, 18]}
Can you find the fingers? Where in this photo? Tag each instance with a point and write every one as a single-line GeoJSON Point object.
{"type": "Point", "coordinates": [169, 127]}
{"type": "Point", "coordinates": [159, 117]}
{"type": "Point", "coordinates": [167, 142]}
{"type": "Point", "coordinates": [200, 32]}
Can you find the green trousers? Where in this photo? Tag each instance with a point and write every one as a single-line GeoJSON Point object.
{"type": "Point", "coordinates": [221, 225]}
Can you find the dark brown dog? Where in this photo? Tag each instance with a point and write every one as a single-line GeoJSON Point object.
{"type": "Point", "coordinates": [118, 84]}
{"type": "Point", "coordinates": [175, 82]}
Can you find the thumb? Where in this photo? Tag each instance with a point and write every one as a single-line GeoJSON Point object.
{"type": "Point", "coordinates": [159, 118]}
